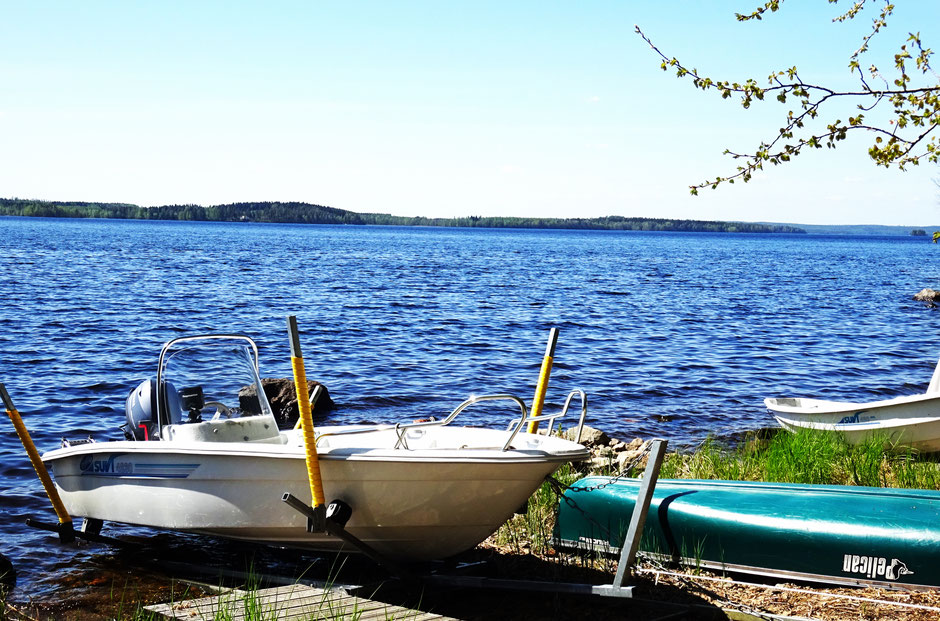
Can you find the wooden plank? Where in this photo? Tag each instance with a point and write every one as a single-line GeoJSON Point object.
{"type": "Point", "coordinates": [287, 603]}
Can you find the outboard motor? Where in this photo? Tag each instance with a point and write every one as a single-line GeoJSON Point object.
{"type": "Point", "coordinates": [141, 409]}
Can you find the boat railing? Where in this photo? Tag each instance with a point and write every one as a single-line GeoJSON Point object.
{"type": "Point", "coordinates": [551, 418]}
{"type": "Point", "coordinates": [402, 428]}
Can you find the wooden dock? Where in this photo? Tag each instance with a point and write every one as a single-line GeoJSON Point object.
{"type": "Point", "coordinates": [287, 603]}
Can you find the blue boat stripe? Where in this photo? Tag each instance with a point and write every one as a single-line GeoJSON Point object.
{"type": "Point", "coordinates": [122, 475]}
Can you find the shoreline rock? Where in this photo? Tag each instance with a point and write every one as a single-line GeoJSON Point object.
{"type": "Point", "coordinates": [607, 453]}
{"type": "Point", "coordinates": [928, 296]}
{"type": "Point", "coordinates": [283, 399]}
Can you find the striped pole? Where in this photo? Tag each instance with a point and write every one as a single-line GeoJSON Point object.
{"type": "Point", "coordinates": [306, 418]}
{"type": "Point", "coordinates": [542, 386]}
{"type": "Point", "coordinates": [66, 531]}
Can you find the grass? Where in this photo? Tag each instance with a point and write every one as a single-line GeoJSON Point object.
{"type": "Point", "coordinates": [245, 604]}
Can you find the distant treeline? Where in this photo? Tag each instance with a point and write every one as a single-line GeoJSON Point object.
{"type": "Point", "coordinates": [306, 213]}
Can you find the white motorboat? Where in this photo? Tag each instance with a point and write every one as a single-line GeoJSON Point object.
{"type": "Point", "coordinates": [195, 461]}
{"type": "Point", "coordinates": [906, 421]}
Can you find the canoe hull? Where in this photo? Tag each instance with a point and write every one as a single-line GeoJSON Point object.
{"type": "Point", "coordinates": [831, 534]}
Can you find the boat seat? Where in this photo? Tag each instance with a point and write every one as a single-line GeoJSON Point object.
{"type": "Point", "coordinates": [246, 429]}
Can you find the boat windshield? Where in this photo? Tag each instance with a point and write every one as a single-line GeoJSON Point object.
{"type": "Point", "coordinates": [211, 377]}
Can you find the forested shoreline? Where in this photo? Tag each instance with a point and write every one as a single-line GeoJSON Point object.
{"type": "Point", "coordinates": [307, 213]}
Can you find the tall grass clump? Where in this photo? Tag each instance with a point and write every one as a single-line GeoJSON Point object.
{"type": "Point", "coordinates": [710, 460]}
{"type": "Point", "coordinates": [913, 473]}
{"type": "Point", "coordinates": [803, 457]}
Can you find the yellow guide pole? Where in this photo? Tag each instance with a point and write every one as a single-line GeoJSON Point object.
{"type": "Point", "coordinates": [306, 418]}
{"type": "Point", "coordinates": [542, 386]}
{"type": "Point", "coordinates": [65, 520]}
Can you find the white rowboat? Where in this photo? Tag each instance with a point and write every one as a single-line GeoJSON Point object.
{"type": "Point", "coordinates": [908, 421]}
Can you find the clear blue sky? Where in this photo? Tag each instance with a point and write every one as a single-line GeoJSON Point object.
{"type": "Point", "coordinates": [433, 108]}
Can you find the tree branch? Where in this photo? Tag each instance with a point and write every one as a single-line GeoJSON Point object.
{"type": "Point", "coordinates": [916, 110]}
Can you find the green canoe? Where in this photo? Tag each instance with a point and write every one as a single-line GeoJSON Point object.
{"type": "Point", "coordinates": [833, 534]}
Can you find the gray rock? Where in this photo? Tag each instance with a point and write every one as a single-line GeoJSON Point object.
{"type": "Point", "coordinates": [930, 296]}
{"type": "Point", "coordinates": [602, 464]}
{"type": "Point", "coordinates": [635, 444]}
{"type": "Point", "coordinates": [627, 457]}
{"type": "Point", "coordinates": [589, 436]}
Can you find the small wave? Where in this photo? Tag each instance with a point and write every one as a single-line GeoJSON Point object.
{"type": "Point", "coordinates": [107, 387]}
{"type": "Point", "coordinates": [373, 401]}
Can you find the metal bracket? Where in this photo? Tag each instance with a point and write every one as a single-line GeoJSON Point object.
{"type": "Point", "coordinates": [336, 529]}
{"type": "Point", "coordinates": [71, 535]}
{"type": "Point", "coordinates": [631, 544]}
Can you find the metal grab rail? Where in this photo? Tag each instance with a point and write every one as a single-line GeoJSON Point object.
{"type": "Point", "coordinates": [400, 428]}
{"type": "Point", "coordinates": [564, 410]}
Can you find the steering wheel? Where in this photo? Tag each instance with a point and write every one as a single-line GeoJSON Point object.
{"type": "Point", "coordinates": [221, 408]}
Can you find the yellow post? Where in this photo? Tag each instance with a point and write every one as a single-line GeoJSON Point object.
{"type": "Point", "coordinates": [65, 520]}
{"type": "Point", "coordinates": [542, 386]}
{"type": "Point", "coordinates": [306, 421]}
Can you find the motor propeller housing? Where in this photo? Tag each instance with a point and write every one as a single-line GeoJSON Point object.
{"type": "Point", "coordinates": [140, 408]}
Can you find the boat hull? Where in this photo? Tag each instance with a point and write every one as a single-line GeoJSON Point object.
{"type": "Point", "coordinates": [407, 504]}
{"type": "Point", "coordinates": [911, 421]}
{"type": "Point", "coordinates": [832, 534]}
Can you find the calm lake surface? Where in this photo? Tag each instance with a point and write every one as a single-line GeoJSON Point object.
{"type": "Point", "coordinates": [671, 335]}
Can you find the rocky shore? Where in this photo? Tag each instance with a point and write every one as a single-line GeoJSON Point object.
{"type": "Point", "coordinates": [609, 454]}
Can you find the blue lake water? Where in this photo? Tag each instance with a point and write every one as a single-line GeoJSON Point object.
{"type": "Point", "coordinates": [672, 335]}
